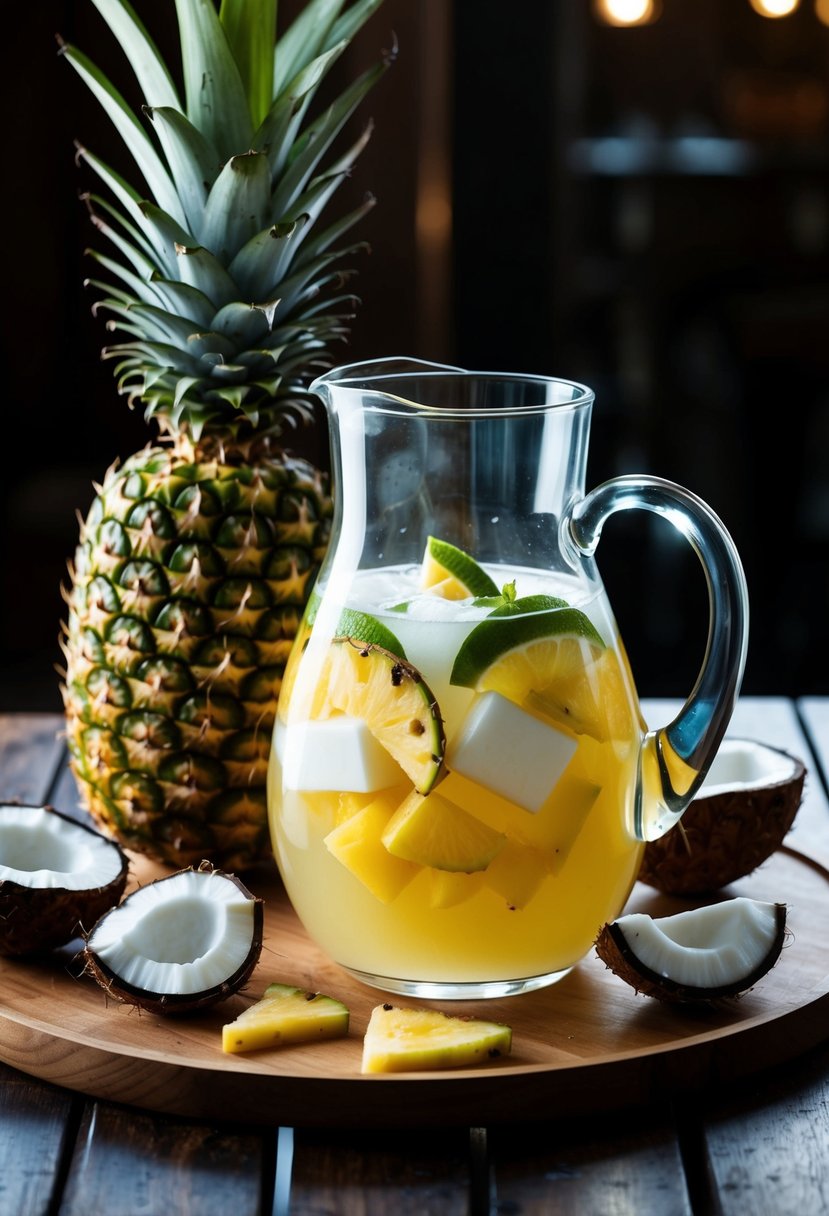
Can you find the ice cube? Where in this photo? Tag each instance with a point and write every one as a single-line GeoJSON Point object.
{"type": "Point", "coordinates": [338, 753]}
{"type": "Point", "coordinates": [502, 748]}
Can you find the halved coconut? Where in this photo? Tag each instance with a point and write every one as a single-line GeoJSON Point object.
{"type": "Point", "coordinates": [743, 811]}
{"type": "Point", "coordinates": [705, 954]}
{"type": "Point", "coordinates": [57, 877]}
{"type": "Point", "coordinates": [178, 944]}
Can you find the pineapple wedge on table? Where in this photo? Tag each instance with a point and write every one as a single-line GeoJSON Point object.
{"type": "Point", "coordinates": [198, 554]}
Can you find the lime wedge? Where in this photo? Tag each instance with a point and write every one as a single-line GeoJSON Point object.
{"type": "Point", "coordinates": [363, 627]}
{"type": "Point", "coordinates": [518, 636]}
{"type": "Point", "coordinates": [550, 659]}
{"type": "Point", "coordinates": [413, 1040]}
{"type": "Point", "coordinates": [449, 572]}
{"type": "Point", "coordinates": [367, 681]}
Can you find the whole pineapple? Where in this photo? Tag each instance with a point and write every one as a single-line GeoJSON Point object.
{"type": "Point", "coordinates": [198, 554]}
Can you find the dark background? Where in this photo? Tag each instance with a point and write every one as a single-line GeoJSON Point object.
{"type": "Point", "coordinates": [645, 210]}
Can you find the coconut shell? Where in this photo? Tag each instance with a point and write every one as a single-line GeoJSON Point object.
{"type": "Point", "coordinates": [166, 1003]}
{"type": "Point", "coordinates": [725, 836]}
{"type": "Point", "coordinates": [36, 919]}
{"type": "Point", "coordinates": [614, 950]}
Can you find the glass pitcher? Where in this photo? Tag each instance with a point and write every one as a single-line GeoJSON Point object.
{"type": "Point", "coordinates": [461, 782]}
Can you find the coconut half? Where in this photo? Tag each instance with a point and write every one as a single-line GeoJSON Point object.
{"type": "Point", "coordinates": [741, 815]}
{"type": "Point", "coordinates": [57, 877]}
{"type": "Point", "coordinates": [705, 954]}
{"type": "Point", "coordinates": [178, 944]}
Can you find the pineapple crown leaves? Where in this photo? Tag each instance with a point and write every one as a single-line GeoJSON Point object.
{"type": "Point", "coordinates": [220, 280]}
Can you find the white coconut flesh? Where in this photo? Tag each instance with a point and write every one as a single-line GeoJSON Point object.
{"type": "Point", "coordinates": [713, 947]}
{"type": "Point", "coordinates": [179, 936]}
{"type": "Point", "coordinates": [745, 765]}
{"type": "Point", "coordinates": [39, 848]}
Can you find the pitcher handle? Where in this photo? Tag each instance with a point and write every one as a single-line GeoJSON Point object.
{"type": "Point", "coordinates": [674, 759]}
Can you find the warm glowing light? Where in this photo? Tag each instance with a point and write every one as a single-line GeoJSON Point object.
{"type": "Point", "coordinates": [822, 11]}
{"type": "Point", "coordinates": [774, 8]}
{"type": "Point", "coordinates": [626, 12]}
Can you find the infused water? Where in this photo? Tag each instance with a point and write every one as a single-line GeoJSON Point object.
{"type": "Point", "coordinates": [499, 875]}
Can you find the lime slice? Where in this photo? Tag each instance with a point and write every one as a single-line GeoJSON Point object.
{"type": "Point", "coordinates": [286, 1015]}
{"type": "Point", "coordinates": [516, 638]}
{"type": "Point", "coordinates": [413, 1040]}
{"type": "Point", "coordinates": [552, 661]}
{"type": "Point", "coordinates": [367, 681]}
{"type": "Point", "coordinates": [434, 832]}
{"type": "Point", "coordinates": [449, 572]}
{"type": "Point", "coordinates": [365, 628]}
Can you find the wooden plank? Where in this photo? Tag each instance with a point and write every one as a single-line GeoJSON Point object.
{"type": "Point", "coordinates": [35, 1129]}
{"type": "Point", "coordinates": [767, 1146]}
{"type": "Point", "coordinates": [596, 1167]}
{"type": "Point", "coordinates": [127, 1162]}
{"type": "Point", "coordinates": [31, 751]}
{"type": "Point", "coordinates": [814, 714]}
{"type": "Point", "coordinates": [374, 1173]}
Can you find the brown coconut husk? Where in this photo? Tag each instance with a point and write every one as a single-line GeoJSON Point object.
{"type": "Point", "coordinates": [723, 837]}
{"type": "Point", "coordinates": [34, 919]}
{"type": "Point", "coordinates": [616, 953]}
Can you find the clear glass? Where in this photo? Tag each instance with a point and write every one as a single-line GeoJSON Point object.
{"type": "Point", "coordinates": [486, 865]}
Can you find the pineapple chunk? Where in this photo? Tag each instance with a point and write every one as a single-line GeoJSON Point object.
{"type": "Point", "coordinates": [434, 832]}
{"type": "Point", "coordinates": [357, 843]}
{"type": "Point", "coordinates": [286, 1015]}
{"type": "Point", "coordinates": [415, 1040]}
{"type": "Point", "coordinates": [517, 873]}
{"type": "Point", "coordinates": [447, 889]}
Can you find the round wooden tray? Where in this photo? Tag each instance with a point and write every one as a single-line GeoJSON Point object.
{"type": "Point", "coordinates": [587, 1043]}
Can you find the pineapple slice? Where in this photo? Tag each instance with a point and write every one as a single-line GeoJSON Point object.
{"type": "Point", "coordinates": [286, 1015]}
{"type": "Point", "coordinates": [357, 843]}
{"type": "Point", "coordinates": [434, 832]}
{"type": "Point", "coordinates": [416, 1040]}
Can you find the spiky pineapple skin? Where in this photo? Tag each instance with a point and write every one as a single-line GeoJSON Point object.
{"type": "Point", "coordinates": [190, 579]}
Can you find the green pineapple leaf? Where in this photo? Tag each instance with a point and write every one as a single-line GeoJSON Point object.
{"type": "Point", "coordinates": [250, 32]}
{"type": "Point", "coordinates": [303, 40]}
{"type": "Point", "coordinates": [150, 69]}
{"type": "Point", "coordinates": [191, 159]}
{"type": "Point", "coordinates": [221, 234]}
{"type": "Point", "coordinates": [216, 101]}
{"type": "Point", "coordinates": [278, 130]}
{"type": "Point", "coordinates": [130, 130]}
{"type": "Point", "coordinates": [261, 263]}
{"type": "Point", "coordinates": [351, 22]}
{"type": "Point", "coordinates": [317, 138]}
{"type": "Point", "coordinates": [147, 239]}
{"type": "Point", "coordinates": [238, 205]}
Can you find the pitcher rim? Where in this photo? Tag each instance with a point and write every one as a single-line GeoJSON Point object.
{"type": "Point", "coordinates": [368, 376]}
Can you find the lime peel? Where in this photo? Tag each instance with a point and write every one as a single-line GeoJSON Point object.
{"type": "Point", "coordinates": [452, 573]}
{"type": "Point", "coordinates": [515, 626]}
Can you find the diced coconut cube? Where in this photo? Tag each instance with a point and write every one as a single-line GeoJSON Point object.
{"type": "Point", "coordinates": [505, 749]}
{"type": "Point", "coordinates": [337, 753]}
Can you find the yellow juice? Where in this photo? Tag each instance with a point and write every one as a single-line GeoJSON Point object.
{"type": "Point", "coordinates": [560, 868]}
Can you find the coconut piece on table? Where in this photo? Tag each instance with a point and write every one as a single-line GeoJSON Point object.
{"type": "Point", "coordinates": [703, 955]}
{"type": "Point", "coordinates": [740, 817]}
{"type": "Point", "coordinates": [179, 944]}
{"type": "Point", "coordinates": [57, 877]}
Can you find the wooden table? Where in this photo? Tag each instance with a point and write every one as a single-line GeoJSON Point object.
{"type": "Point", "coordinates": [758, 1145]}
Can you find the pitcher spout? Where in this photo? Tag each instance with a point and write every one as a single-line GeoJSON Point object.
{"type": "Point", "coordinates": [358, 375]}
